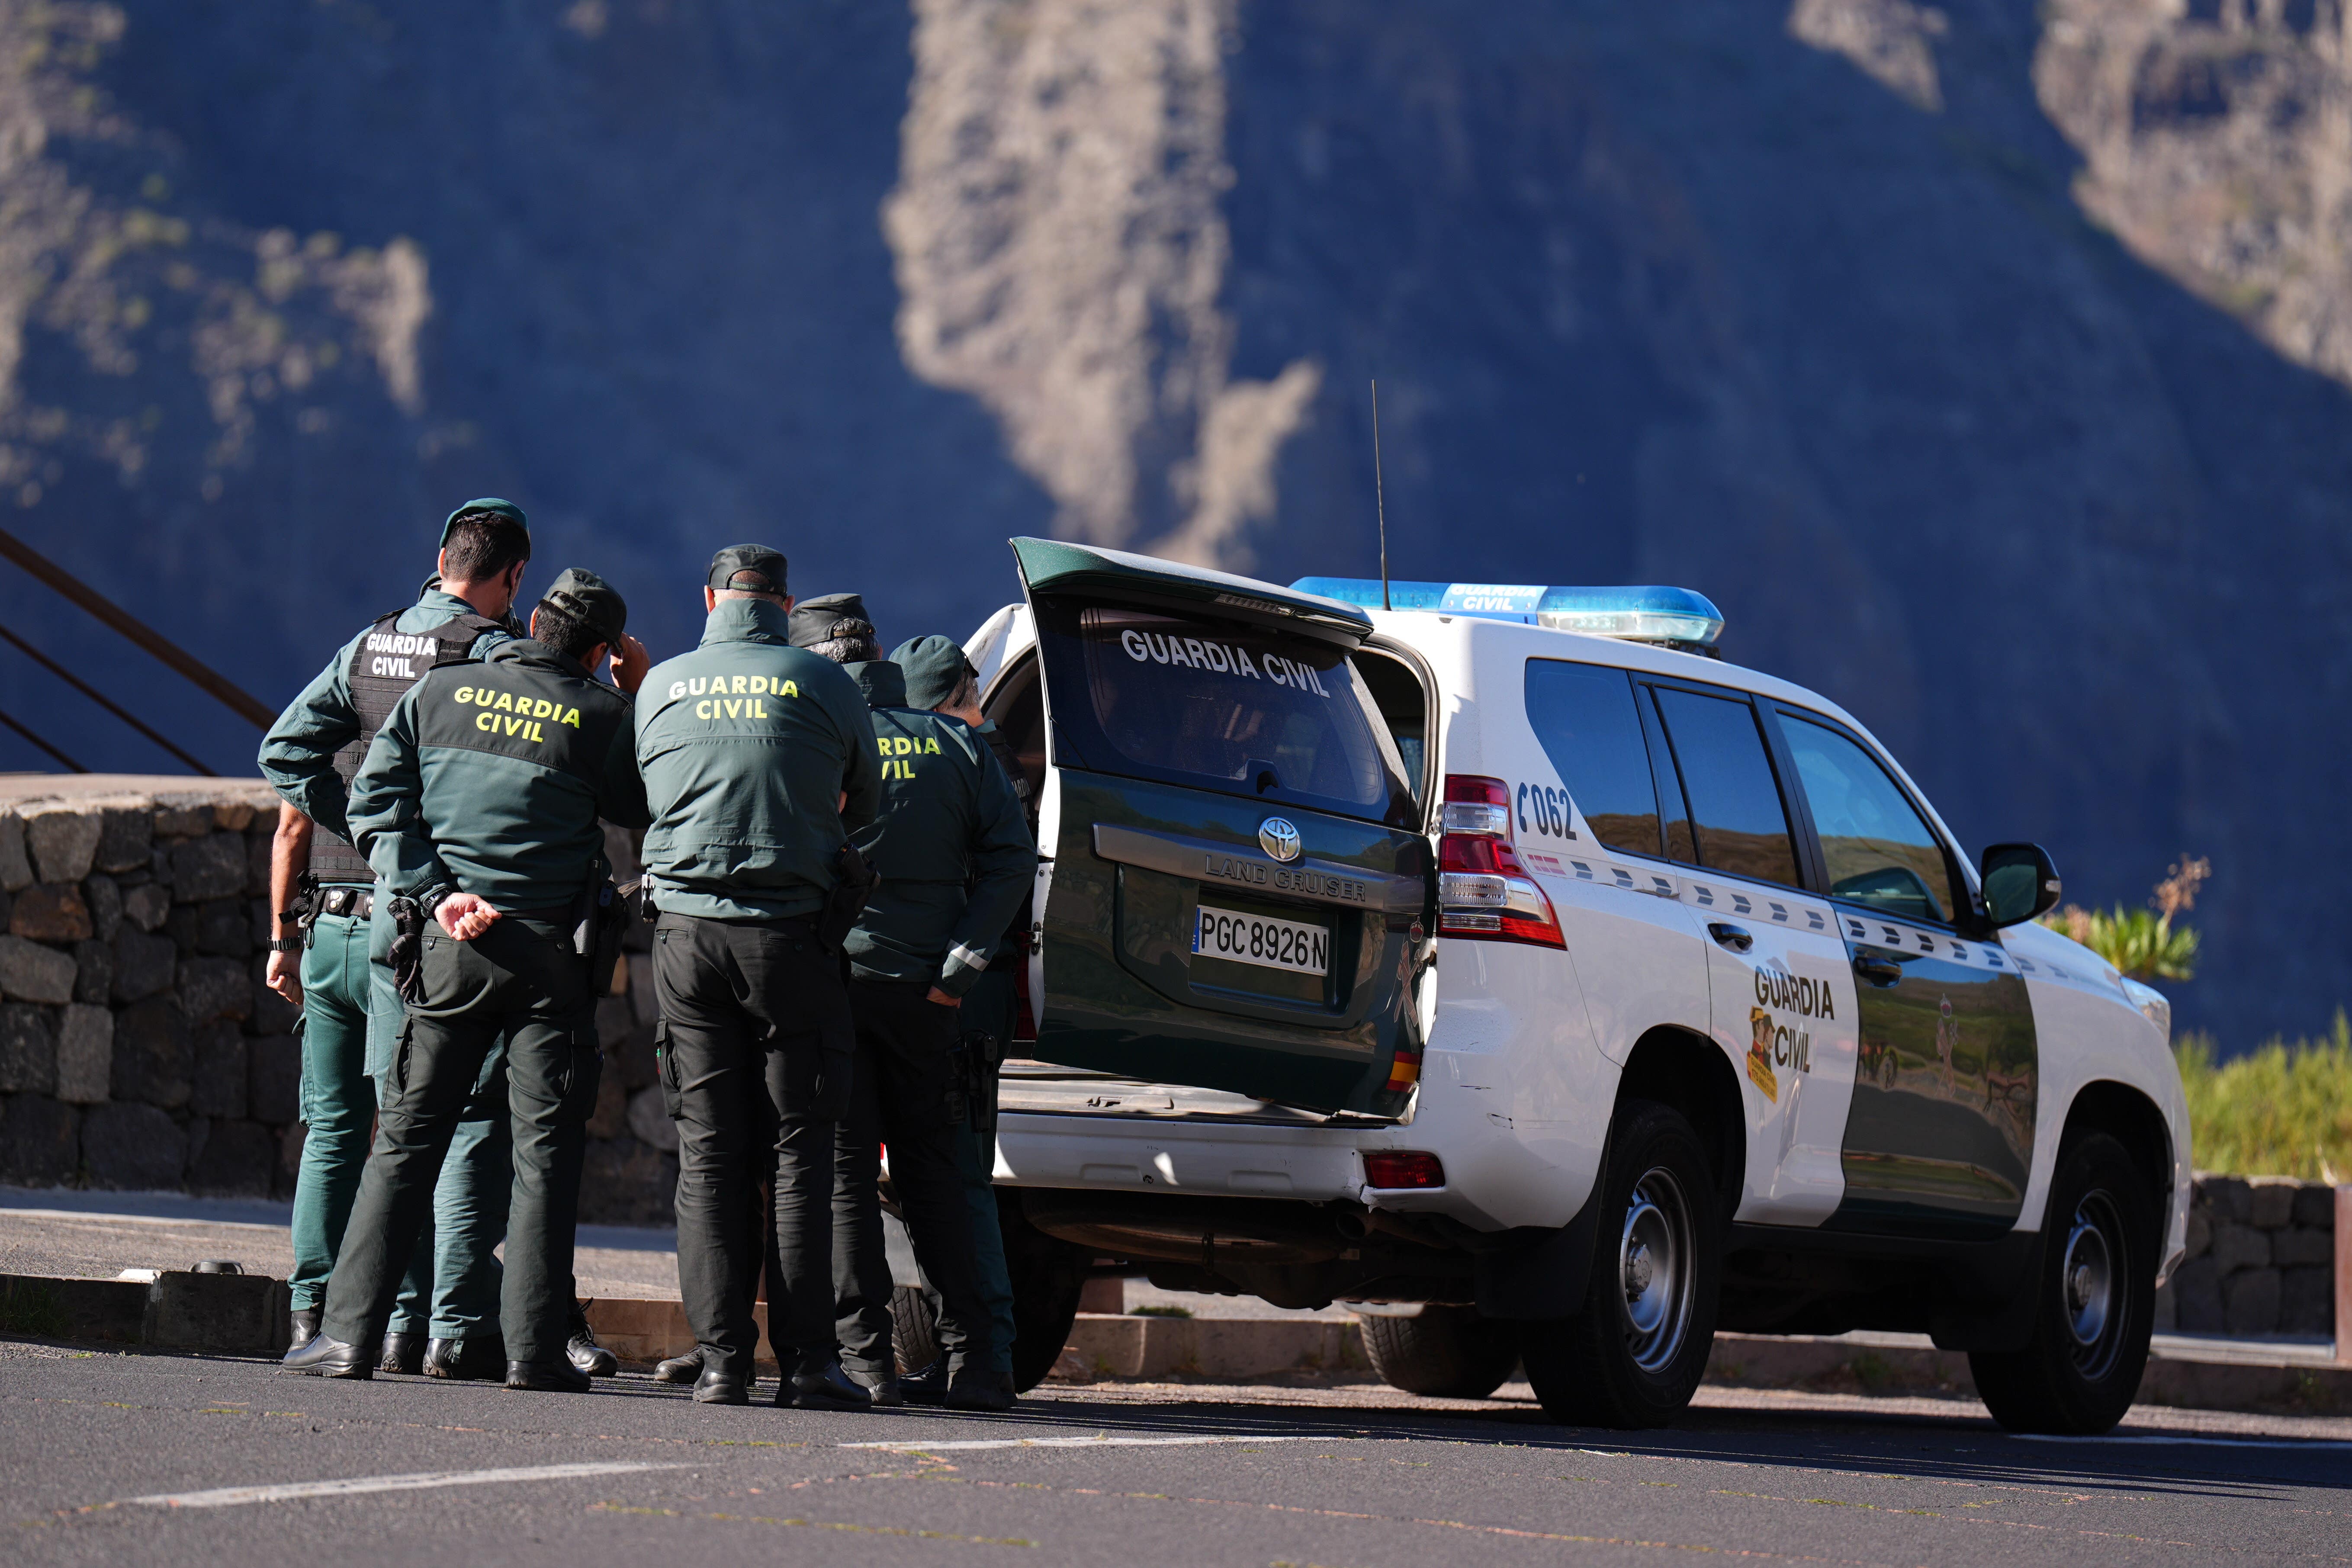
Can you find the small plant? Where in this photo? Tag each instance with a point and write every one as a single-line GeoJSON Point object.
{"type": "Point", "coordinates": [2143, 943]}
{"type": "Point", "coordinates": [31, 1307]}
{"type": "Point", "coordinates": [2280, 1110]}
{"type": "Point", "coordinates": [1161, 1311]}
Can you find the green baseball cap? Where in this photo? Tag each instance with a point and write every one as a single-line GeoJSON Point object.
{"type": "Point", "coordinates": [935, 667]}
{"type": "Point", "coordinates": [764, 566]}
{"type": "Point", "coordinates": [492, 505]}
{"type": "Point", "coordinates": [591, 601]}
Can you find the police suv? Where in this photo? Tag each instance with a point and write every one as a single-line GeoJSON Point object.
{"type": "Point", "coordinates": [1508, 967]}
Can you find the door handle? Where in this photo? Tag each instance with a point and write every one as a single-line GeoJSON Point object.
{"type": "Point", "coordinates": [1878, 969]}
{"type": "Point", "coordinates": [1730, 936]}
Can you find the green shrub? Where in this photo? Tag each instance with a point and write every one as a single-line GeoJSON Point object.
{"type": "Point", "coordinates": [2143, 944]}
{"type": "Point", "coordinates": [2282, 1111]}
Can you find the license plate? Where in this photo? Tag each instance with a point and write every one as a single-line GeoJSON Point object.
{"type": "Point", "coordinates": [1270, 943]}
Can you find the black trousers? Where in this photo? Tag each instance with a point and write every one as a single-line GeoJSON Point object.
{"type": "Point", "coordinates": [521, 978]}
{"type": "Point", "coordinates": [756, 1054]}
{"type": "Point", "coordinates": [900, 1099]}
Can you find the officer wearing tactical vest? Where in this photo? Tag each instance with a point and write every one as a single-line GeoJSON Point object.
{"type": "Point", "coordinates": [953, 856]}
{"type": "Point", "coordinates": [320, 959]}
{"type": "Point", "coordinates": [757, 758]}
{"type": "Point", "coordinates": [940, 679]}
{"type": "Point", "coordinates": [477, 806]}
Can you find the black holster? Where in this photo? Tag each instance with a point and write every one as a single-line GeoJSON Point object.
{"type": "Point", "coordinates": [600, 917]}
{"type": "Point", "coordinates": [304, 907]}
{"type": "Point", "coordinates": [979, 1053]}
{"type": "Point", "coordinates": [853, 883]}
{"type": "Point", "coordinates": [407, 953]}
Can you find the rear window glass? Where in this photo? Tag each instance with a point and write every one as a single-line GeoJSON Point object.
{"type": "Point", "coordinates": [1223, 704]}
{"type": "Point", "coordinates": [1735, 803]}
{"type": "Point", "coordinates": [1585, 717]}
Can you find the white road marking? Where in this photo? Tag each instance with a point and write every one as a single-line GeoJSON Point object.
{"type": "Point", "coordinates": [230, 1496]}
{"type": "Point", "coordinates": [2304, 1445]}
{"type": "Point", "coordinates": [1099, 1441]}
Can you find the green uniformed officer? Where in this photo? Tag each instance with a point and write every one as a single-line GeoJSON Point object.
{"type": "Point", "coordinates": [320, 959]}
{"type": "Point", "coordinates": [952, 855]}
{"type": "Point", "coordinates": [478, 806]}
{"type": "Point", "coordinates": [757, 759]}
{"type": "Point", "coordinates": [939, 678]}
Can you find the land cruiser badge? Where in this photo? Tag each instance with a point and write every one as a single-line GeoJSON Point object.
{"type": "Point", "coordinates": [1279, 838]}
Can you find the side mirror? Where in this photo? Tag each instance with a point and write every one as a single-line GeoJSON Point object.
{"type": "Point", "coordinates": [2019, 882]}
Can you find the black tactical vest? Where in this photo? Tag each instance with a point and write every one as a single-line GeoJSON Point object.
{"type": "Point", "coordinates": [384, 664]}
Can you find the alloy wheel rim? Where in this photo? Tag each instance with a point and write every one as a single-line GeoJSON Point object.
{"type": "Point", "coordinates": [2090, 1285]}
{"type": "Point", "coordinates": [1655, 1258]}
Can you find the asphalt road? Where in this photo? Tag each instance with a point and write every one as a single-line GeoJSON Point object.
{"type": "Point", "coordinates": [123, 1459]}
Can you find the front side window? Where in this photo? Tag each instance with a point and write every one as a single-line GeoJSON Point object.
{"type": "Point", "coordinates": [1880, 850]}
{"type": "Point", "coordinates": [1741, 827]}
{"type": "Point", "coordinates": [1225, 705]}
{"type": "Point", "coordinates": [1584, 716]}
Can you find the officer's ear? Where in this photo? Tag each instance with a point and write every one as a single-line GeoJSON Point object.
{"type": "Point", "coordinates": [709, 598]}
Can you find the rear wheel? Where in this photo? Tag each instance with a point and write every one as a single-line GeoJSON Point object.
{"type": "Point", "coordinates": [1632, 1355]}
{"type": "Point", "coordinates": [2096, 1301]}
{"type": "Point", "coordinates": [1441, 1350]}
{"type": "Point", "coordinates": [1047, 1275]}
{"type": "Point", "coordinates": [913, 1329]}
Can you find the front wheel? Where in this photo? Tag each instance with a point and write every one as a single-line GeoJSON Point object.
{"type": "Point", "coordinates": [2096, 1301]}
{"type": "Point", "coordinates": [1633, 1353]}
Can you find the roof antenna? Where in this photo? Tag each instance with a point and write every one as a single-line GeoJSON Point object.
{"type": "Point", "coordinates": [1380, 495]}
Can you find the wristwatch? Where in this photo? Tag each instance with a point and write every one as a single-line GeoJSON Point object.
{"type": "Point", "coordinates": [285, 944]}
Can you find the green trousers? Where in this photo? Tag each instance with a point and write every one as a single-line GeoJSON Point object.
{"type": "Point", "coordinates": [988, 1006]}
{"type": "Point", "coordinates": [450, 1288]}
{"type": "Point", "coordinates": [520, 981]}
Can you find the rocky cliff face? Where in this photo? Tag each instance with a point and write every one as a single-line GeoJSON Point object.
{"type": "Point", "coordinates": [1985, 361]}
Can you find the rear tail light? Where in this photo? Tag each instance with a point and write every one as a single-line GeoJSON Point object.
{"type": "Point", "coordinates": [1483, 890]}
{"type": "Point", "coordinates": [1402, 1168]}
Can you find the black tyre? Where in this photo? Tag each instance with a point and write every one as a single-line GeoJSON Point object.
{"type": "Point", "coordinates": [1632, 1355]}
{"type": "Point", "coordinates": [1047, 1275]}
{"type": "Point", "coordinates": [912, 1326]}
{"type": "Point", "coordinates": [1450, 1352]}
{"type": "Point", "coordinates": [2095, 1302]}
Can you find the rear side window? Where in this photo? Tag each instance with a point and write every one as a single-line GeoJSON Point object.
{"type": "Point", "coordinates": [1735, 803]}
{"type": "Point", "coordinates": [1880, 851]}
{"type": "Point", "coordinates": [1220, 704]}
{"type": "Point", "coordinates": [1585, 717]}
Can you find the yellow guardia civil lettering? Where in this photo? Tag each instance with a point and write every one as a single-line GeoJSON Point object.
{"type": "Point", "coordinates": [531, 714]}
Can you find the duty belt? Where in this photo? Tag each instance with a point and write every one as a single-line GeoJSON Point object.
{"type": "Point", "coordinates": [353, 903]}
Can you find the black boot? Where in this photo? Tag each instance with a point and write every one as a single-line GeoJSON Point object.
{"type": "Point", "coordinates": [323, 1357]}
{"type": "Point", "coordinates": [584, 1353]}
{"type": "Point", "coordinates": [826, 1389]}
{"type": "Point", "coordinates": [679, 1368]}
{"type": "Point", "coordinates": [881, 1388]}
{"type": "Point", "coordinates": [979, 1388]}
{"type": "Point", "coordinates": [484, 1359]}
{"type": "Point", "coordinates": [402, 1354]}
{"type": "Point", "coordinates": [929, 1386]}
{"type": "Point", "coordinates": [305, 1328]}
{"type": "Point", "coordinates": [548, 1377]}
{"type": "Point", "coordinates": [720, 1385]}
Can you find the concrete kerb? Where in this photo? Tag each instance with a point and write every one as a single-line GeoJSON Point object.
{"type": "Point", "coordinates": [221, 1314]}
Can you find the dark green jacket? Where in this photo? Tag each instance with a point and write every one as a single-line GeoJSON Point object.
{"type": "Point", "coordinates": [488, 779]}
{"type": "Point", "coordinates": [951, 844]}
{"type": "Point", "coordinates": [748, 744]}
{"type": "Point", "coordinates": [298, 755]}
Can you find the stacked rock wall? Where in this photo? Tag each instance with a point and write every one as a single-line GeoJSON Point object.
{"type": "Point", "coordinates": [140, 1049]}
{"type": "Point", "coordinates": [2262, 1259]}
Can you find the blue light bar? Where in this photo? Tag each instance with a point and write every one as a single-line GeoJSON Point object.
{"type": "Point", "coordinates": [1652, 613]}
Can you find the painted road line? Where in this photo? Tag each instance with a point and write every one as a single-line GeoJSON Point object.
{"type": "Point", "coordinates": [231, 1497]}
{"type": "Point", "coordinates": [1100, 1441]}
{"type": "Point", "coordinates": [2185, 1439]}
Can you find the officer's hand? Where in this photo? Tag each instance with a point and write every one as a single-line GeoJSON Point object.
{"type": "Point", "coordinates": [465, 916]}
{"type": "Point", "coordinates": [943, 999]}
{"type": "Point", "coordinates": [630, 662]}
{"type": "Point", "coordinates": [285, 976]}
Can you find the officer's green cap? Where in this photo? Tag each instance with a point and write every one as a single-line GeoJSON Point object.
{"type": "Point", "coordinates": [935, 668]}
{"type": "Point", "coordinates": [813, 619]}
{"type": "Point", "coordinates": [591, 601]}
{"type": "Point", "coordinates": [492, 504]}
{"type": "Point", "coordinates": [748, 568]}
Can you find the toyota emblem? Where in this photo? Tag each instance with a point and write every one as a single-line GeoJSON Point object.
{"type": "Point", "coordinates": [1279, 838]}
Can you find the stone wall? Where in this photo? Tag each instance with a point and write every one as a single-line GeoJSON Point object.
{"type": "Point", "coordinates": [2262, 1259]}
{"type": "Point", "coordinates": [140, 1049]}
